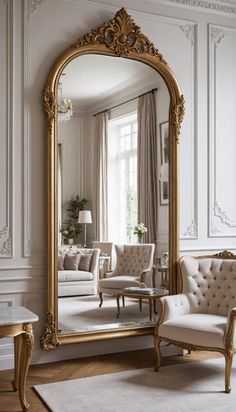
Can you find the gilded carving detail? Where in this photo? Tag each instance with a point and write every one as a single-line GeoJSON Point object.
{"type": "Point", "coordinates": [48, 340]}
{"type": "Point", "coordinates": [49, 104]}
{"type": "Point", "coordinates": [122, 36]}
{"type": "Point", "coordinates": [28, 338]}
{"type": "Point", "coordinates": [225, 255]}
{"type": "Point", "coordinates": [178, 114]}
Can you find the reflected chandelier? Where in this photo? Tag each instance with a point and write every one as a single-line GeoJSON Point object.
{"type": "Point", "coordinates": [64, 108]}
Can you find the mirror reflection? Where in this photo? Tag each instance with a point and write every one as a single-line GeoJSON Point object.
{"type": "Point", "coordinates": [113, 192]}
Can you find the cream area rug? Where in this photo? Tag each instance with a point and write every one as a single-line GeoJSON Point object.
{"type": "Point", "coordinates": [194, 387]}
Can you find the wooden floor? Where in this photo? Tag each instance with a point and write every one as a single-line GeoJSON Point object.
{"type": "Point", "coordinates": [78, 368]}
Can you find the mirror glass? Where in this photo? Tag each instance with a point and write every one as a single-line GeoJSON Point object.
{"type": "Point", "coordinates": [102, 95]}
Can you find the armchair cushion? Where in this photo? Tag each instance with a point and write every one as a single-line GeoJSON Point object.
{"type": "Point", "coordinates": [196, 328]}
{"type": "Point", "coordinates": [119, 282]}
{"type": "Point", "coordinates": [73, 275]}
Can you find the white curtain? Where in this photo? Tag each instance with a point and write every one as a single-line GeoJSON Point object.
{"type": "Point", "coordinates": [147, 165]}
{"type": "Point", "coordinates": [101, 183]}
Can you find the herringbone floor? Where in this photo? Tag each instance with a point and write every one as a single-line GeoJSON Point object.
{"type": "Point", "coordinates": [78, 368]}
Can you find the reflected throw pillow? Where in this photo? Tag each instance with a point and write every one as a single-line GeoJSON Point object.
{"type": "Point", "coordinates": [60, 262]}
{"type": "Point", "coordinates": [85, 261]}
{"type": "Point", "coordinates": [71, 262]}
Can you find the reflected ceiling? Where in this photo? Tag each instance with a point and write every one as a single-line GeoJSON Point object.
{"type": "Point", "coordinates": [115, 75]}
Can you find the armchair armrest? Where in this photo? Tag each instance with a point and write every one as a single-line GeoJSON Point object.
{"type": "Point", "coordinates": [174, 306]}
{"type": "Point", "coordinates": [144, 272]}
{"type": "Point", "coordinates": [230, 338]}
{"type": "Point", "coordinates": [108, 274]}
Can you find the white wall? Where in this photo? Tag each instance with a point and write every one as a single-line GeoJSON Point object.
{"type": "Point", "coordinates": [32, 34]}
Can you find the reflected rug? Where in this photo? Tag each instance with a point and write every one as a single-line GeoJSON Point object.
{"type": "Point", "coordinates": [194, 387]}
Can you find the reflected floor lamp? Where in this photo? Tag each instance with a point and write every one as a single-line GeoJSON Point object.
{"type": "Point", "coordinates": [85, 217]}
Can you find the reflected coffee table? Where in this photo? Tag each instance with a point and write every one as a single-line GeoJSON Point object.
{"type": "Point", "coordinates": [150, 294]}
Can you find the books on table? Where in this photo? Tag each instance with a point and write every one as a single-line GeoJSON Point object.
{"type": "Point", "coordinates": [146, 291]}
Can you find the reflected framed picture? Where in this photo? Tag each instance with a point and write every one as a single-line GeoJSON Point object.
{"type": "Point", "coordinates": [164, 192]}
{"type": "Point", "coordinates": [164, 142]}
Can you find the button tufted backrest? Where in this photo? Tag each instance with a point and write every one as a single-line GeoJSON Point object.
{"type": "Point", "coordinates": [132, 260]}
{"type": "Point", "coordinates": [210, 284]}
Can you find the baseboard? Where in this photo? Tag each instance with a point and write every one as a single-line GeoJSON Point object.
{"type": "Point", "coordinates": [85, 350]}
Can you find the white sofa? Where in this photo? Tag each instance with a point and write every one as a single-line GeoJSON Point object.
{"type": "Point", "coordinates": [79, 282]}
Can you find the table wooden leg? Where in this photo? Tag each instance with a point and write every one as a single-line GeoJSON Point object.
{"type": "Point", "coordinates": [123, 300]}
{"type": "Point", "coordinates": [26, 351]}
{"type": "Point", "coordinates": [118, 306]}
{"type": "Point", "coordinates": [150, 309]}
{"type": "Point", "coordinates": [17, 352]}
{"type": "Point", "coordinates": [153, 278]}
{"type": "Point", "coordinates": [155, 306]}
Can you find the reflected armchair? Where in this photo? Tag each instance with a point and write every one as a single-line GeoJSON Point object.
{"type": "Point", "coordinates": [203, 317]}
{"type": "Point", "coordinates": [133, 268]}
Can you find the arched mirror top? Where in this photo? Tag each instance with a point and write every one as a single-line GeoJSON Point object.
{"type": "Point", "coordinates": [120, 38]}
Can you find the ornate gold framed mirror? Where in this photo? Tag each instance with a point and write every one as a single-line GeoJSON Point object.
{"type": "Point", "coordinates": [120, 39]}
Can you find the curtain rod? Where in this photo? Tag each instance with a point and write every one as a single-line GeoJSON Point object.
{"type": "Point", "coordinates": [127, 101]}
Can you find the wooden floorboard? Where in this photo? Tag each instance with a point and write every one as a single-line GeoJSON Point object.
{"type": "Point", "coordinates": [78, 368]}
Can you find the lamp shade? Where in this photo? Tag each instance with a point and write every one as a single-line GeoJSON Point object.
{"type": "Point", "coordinates": [85, 216]}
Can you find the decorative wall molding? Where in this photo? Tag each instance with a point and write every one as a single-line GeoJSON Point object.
{"type": "Point", "coordinates": [217, 35]}
{"type": "Point", "coordinates": [27, 244]}
{"type": "Point", "coordinates": [191, 231]}
{"type": "Point", "coordinates": [6, 248]}
{"type": "Point", "coordinates": [32, 6]}
{"type": "Point", "coordinates": [221, 223]}
{"type": "Point", "coordinates": [204, 250]}
{"type": "Point", "coordinates": [214, 228]}
{"type": "Point", "coordinates": [6, 239]}
{"type": "Point", "coordinates": [223, 216]}
{"type": "Point", "coordinates": [207, 5]}
{"type": "Point", "coordinates": [189, 31]}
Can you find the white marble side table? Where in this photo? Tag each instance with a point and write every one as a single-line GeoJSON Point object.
{"type": "Point", "coordinates": [17, 322]}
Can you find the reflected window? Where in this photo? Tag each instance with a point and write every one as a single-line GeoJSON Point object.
{"type": "Point", "coordinates": [122, 178]}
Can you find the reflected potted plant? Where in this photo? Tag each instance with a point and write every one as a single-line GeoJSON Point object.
{"type": "Point", "coordinates": [70, 228]}
{"type": "Point", "coordinates": [140, 231]}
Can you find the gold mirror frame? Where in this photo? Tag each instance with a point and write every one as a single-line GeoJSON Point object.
{"type": "Point", "coordinates": [119, 37]}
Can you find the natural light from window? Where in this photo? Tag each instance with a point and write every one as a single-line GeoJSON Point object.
{"type": "Point", "coordinates": [122, 178]}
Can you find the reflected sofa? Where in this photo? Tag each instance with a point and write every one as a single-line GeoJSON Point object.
{"type": "Point", "coordinates": [81, 280]}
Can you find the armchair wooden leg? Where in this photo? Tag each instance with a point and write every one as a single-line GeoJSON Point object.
{"type": "Point", "coordinates": [123, 301]}
{"type": "Point", "coordinates": [140, 305]}
{"type": "Point", "coordinates": [101, 299]}
{"type": "Point", "coordinates": [228, 364]}
{"type": "Point", "coordinates": [118, 305]}
{"type": "Point", "coordinates": [157, 350]}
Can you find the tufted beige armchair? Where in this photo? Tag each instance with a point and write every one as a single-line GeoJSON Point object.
{"type": "Point", "coordinates": [202, 317]}
{"type": "Point", "coordinates": [133, 268]}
